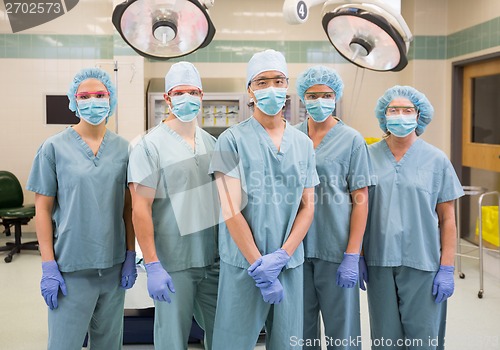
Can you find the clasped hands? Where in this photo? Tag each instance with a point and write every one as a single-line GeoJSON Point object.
{"type": "Point", "coordinates": [265, 272]}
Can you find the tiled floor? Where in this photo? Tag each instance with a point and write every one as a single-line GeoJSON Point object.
{"type": "Point", "coordinates": [473, 323]}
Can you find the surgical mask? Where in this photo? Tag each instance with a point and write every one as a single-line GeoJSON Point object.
{"type": "Point", "coordinates": [270, 100]}
{"type": "Point", "coordinates": [185, 107]}
{"type": "Point", "coordinates": [401, 125]}
{"type": "Point", "coordinates": [93, 110]}
{"type": "Point", "coordinates": [320, 109]}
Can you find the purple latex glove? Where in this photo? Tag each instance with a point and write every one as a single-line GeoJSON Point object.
{"type": "Point", "coordinates": [266, 269]}
{"type": "Point", "coordinates": [347, 273]}
{"type": "Point", "coordinates": [363, 273]}
{"type": "Point", "coordinates": [159, 282]}
{"type": "Point", "coordinates": [274, 293]}
{"type": "Point", "coordinates": [443, 285]}
{"type": "Point", "coordinates": [51, 281]}
{"type": "Point", "coordinates": [129, 270]}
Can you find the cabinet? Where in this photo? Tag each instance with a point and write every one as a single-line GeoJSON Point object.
{"type": "Point", "coordinates": [220, 109]}
{"type": "Point", "coordinates": [225, 103]}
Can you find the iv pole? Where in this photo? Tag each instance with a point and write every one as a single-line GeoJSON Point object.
{"type": "Point", "coordinates": [115, 70]}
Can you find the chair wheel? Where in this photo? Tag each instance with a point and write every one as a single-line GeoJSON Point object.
{"type": "Point", "coordinates": [461, 275]}
{"type": "Point", "coordinates": [8, 259]}
{"type": "Point", "coordinates": [480, 294]}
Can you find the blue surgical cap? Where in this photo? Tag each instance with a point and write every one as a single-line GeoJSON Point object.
{"type": "Point", "coordinates": [320, 75]}
{"type": "Point", "coordinates": [265, 61]}
{"type": "Point", "coordinates": [424, 107]}
{"type": "Point", "coordinates": [182, 73]}
{"type": "Point", "coordinates": [92, 73]}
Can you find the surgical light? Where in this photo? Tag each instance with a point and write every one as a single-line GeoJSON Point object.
{"type": "Point", "coordinates": [371, 34]}
{"type": "Point", "coordinates": [163, 29]}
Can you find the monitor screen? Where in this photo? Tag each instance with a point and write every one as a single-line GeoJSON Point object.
{"type": "Point", "coordinates": [57, 110]}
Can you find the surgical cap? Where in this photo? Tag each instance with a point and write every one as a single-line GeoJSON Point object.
{"type": "Point", "coordinates": [424, 107]}
{"type": "Point", "coordinates": [320, 75]}
{"type": "Point", "coordinates": [92, 73]}
{"type": "Point", "coordinates": [266, 61]}
{"type": "Point", "coordinates": [182, 73]}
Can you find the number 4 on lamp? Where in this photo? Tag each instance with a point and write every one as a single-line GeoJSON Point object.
{"type": "Point", "coordinates": [297, 11]}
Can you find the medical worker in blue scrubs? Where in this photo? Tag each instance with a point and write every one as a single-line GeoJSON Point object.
{"type": "Point", "coordinates": [333, 243]}
{"type": "Point", "coordinates": [83, 221]}
{"type": "Point", "coordinates": [175, 214]}
{"type": "Point", "coordinates": [265, 173]}
{"type": "Point", "coordinates": [409, 244]}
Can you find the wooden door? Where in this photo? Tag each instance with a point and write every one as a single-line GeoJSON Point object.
{"type": "Point", "coordinates": [481, 115]}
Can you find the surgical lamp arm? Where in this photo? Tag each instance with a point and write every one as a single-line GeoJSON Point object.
{"type": "Point", "coordinates": [297, 11]}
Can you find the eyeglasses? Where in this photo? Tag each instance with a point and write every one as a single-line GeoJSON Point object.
{"type": "Point", "coordinates": [263, 83]}
{"type": "Point", "coordinates": [175, 93]}
{"type": "Point", "coordinates": [330, 95]}
{"type": "Point", "coordinates": [404, 110]}
{"type": "Point", "coordinates": [89, 94]}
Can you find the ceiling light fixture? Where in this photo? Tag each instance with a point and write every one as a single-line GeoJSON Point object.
{"type": "Point", "coordinates": [371, 33]}
{"type": "Point", "coordinates": [164, 29]}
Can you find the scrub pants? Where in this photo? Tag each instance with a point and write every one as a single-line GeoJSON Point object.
{"type": "Point", "coordinates": [403, 314]}
{"type": "Point", "coordinates": [339, 308]}
{"type": "Point", "coordinates": [94, 303]}
{"type": "Point", "coordinates": [195, 294]}
{"type": "Point", "coordinates": [242, 313]}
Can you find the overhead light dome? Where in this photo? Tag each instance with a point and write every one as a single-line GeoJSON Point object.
{"type": "Point", "coordinates": [365, 38]}
{"type": "Point", "coordinates": [369, 33]}
{"type": "Point", "coordinates": [163, 29]}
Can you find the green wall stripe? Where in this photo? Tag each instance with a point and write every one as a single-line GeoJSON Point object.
{"type": "Point", "coordinates": [482, 36]}
{"type": "Point", "coordinates": [476, 38]}
{"type": "Point", "coordinates": [242, 51]}
{"type": "Point", "coordinates": [56, 46]}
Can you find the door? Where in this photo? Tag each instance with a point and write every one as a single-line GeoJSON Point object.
{"type": "Point", "coordinates": [481, 115]}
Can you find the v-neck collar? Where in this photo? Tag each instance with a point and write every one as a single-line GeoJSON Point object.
{"type": "Point", "coordinates": [197, 144]}
{"type": "Point", "coordinates": [328, 135]}
{"type": "Point", "coordinates": [86, 147]}
{"type": "Point", "coordinates": [403, 159]}
{"type": "Point", "coordinates": [270, 144]}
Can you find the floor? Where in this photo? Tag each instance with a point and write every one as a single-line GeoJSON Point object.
{"type": "Point", "coordinates": [473, 323]}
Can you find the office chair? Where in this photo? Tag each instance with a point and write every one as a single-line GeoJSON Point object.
{"type": "Point", "coordinates": [14, 213]}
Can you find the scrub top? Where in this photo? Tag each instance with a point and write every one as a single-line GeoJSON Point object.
{"type": "Point", "coordinates": [185, 207]}
{"type": "Point", "coordinates": [272, 180]}
{"type": "Point", "coordinates": [89, 191]}
{"type": "Point", "coordinates": [343, 166]}
{"type": "Point", "coordinates": [402, 228]}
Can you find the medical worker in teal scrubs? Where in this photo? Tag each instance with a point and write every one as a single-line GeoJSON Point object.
{"type": "Point", "coordinates": [333, 243]}
{"type": "Point", "coordinates": [266, 173]}
{"type": "Point", "coordinates": [83, 221]}
{"type": "Point", "coordinates": [175, 214]}
{"type": "Point", "coordinates": [409, 244]}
